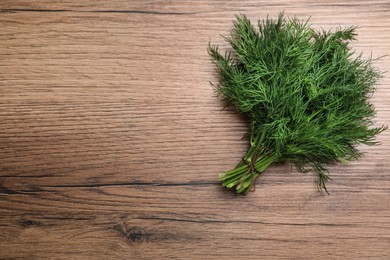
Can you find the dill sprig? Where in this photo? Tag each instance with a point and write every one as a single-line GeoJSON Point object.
{"type": "Point", "coordinates": [304, 91]}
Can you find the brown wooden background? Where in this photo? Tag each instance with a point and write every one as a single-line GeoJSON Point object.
{"type": "Point", "coordinates": [111, 139]}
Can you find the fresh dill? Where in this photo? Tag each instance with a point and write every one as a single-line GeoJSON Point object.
{"type": "Point", "coordinates": [304, 91]}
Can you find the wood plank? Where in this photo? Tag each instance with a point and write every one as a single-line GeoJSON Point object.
{"type": "Point", "coordinates": [111, 139]}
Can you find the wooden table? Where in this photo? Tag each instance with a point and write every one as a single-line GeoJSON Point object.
{"type": "Point", "coordinates": [111, 139]}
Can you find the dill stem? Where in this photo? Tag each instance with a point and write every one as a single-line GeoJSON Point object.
{"type": "Point", "coordinates": [243, 177]}
{"type": "Point", "coordinates": [254, 144]}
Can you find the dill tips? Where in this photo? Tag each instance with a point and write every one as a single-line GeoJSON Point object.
{"type": "Point", "coordinates": [305, 92]}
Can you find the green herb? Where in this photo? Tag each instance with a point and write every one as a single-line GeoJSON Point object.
{"type": "Point", "coordinates": [304, 91]}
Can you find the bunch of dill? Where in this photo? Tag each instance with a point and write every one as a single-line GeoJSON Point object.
{"type": "Point", "coordinates": [306, 96]}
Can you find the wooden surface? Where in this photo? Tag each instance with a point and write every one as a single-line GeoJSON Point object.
{"type": "Point", "coordinates": [111, 139]}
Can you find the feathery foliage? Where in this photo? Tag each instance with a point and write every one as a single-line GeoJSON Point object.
{"type": "Point", "coordinates": [305, 93]}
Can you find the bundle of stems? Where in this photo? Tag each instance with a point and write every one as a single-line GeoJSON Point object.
{"type": "Point", "coordinates": [305, 92]}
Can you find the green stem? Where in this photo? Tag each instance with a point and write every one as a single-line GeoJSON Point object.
{"type": "Point", "coordinates": [254, 144]}
{"type": "Point", "coordinates": [244, 176]}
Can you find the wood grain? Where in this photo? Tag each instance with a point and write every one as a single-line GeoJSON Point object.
{"type": "Point", "coordinates": [111, 139]}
